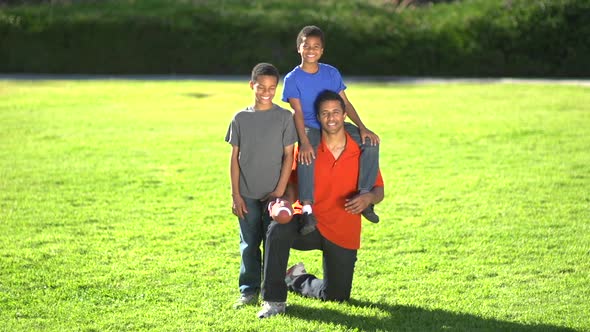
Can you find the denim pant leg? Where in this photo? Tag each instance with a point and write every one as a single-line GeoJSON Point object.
{"type": "Point", "coordinates": [279, 239]}
{"type": "Point", "coordinates": [369, 161]}
{"type": "Point", "coordinates": [252, 232]}
{"type": "Point", "coordinates": [305, 173]}
{"type": "Point", "coordinates": [338, 264]}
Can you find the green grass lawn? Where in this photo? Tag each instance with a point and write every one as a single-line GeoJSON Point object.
{"type": "Point", "coordinates": [115, 210]}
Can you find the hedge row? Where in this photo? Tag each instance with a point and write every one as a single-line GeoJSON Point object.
{"type": "Point", "coordinates": [524, 38]}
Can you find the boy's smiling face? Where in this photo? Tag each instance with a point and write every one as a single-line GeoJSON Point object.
{"type": "Point", "coordinates": [264, 88]}
{"type": "Point", "coordinates": [311, 49]}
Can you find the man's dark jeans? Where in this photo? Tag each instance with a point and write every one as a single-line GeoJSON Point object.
{"type": "Point", "coordinates": [338, 265]}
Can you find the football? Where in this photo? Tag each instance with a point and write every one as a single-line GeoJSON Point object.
{"type": "Point", "coordinates": [280, 210]}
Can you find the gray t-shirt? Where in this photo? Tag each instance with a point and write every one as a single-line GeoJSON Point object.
{"type": "Point", "coordinates": [261, 137]}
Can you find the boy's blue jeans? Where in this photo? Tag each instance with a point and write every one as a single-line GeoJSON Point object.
{"type": "Point", "coordinates": [252, 233]}
{"type": "Point", "coordinates": [368, 166]}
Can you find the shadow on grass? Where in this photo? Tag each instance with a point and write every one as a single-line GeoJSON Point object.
{"type": "Point", "coordinates": [197, 95]}
{"type": "Point", "coordinates": [406, 318]}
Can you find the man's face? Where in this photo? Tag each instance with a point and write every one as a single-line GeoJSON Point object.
{"type": "Point", "coordinates": [331, 116]}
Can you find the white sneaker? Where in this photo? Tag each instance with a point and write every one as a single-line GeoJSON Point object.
{"type": "Point", "coordinates": [246, 299]}
{"type": "Point", "coordinates": [294, 272]}
{"type": "Point", "coordinates": [270, 309]}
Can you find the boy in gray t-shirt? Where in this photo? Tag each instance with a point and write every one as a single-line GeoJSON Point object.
{"type": "Point", "coordinates": [262, 138]}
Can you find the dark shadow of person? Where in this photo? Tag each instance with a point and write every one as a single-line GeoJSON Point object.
{"type": "Point", "coordinates": [408, 318]}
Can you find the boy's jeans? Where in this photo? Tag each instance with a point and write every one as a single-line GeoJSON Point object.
{"type": "Point", "coordinates": [252, 233]}
{"type": "Point", "coordinates": [368, 168]}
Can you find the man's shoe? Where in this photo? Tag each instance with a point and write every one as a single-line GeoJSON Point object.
{"type": "Point", "coordinates": [370, 215]}
{"type": "Point", "coordinates": [294, 272]}
{"type": "Point", "coordinates": [308, 224]}
{"type": "Point", "coordinates": [246, 299]}
{"type": "Point", "coordinates": [270, 309]}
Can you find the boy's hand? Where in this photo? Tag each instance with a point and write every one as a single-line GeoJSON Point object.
{"type": "Point", "coordinates": [239, 206]}
{"type": "Point", "coordinates": [306, 154]}
{"type": "Point", "coordinates": [366, 133]}
{"type": "Point", "coordinates": [358, 203]}
{"type": "Point", "coordinates": [273, 195]}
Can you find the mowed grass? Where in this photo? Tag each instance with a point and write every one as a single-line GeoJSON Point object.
{"type": "Point", "coordinates": [115, 210]}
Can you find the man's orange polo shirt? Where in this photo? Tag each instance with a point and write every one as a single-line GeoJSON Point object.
{"type": "Point", "coordinates": [335, 181]}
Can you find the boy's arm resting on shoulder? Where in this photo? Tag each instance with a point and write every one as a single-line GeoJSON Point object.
{"type": "Point", "coordinates": [351, 111]}
{"type": "Point", "coordinates": [306, 153]}
{"type": "Point", "coordinates": [354, 116]}
{"type": "Point", "coordinates": [238, 204]}
{"type": "Point", "coordinates": [298, 119]}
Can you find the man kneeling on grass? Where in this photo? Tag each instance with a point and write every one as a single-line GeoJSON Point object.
{"type": "Point", "coordinates": [338, 208]}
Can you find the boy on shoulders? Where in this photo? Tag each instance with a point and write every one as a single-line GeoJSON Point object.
{"type": "Point", "coordinates": [301, 87]}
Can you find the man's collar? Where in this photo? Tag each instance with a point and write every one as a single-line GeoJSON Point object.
{"type": "Point", "coordinates": [349, 139]}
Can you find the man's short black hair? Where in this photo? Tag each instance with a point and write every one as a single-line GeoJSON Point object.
{"type": "Point", "coordinates": [327, 95]}
{"type": "Point", "coordinates": [307, 31]}
{"type": "Point", "coordinates": [264, 69]}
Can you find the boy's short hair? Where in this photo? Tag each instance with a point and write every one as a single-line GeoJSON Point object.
{"type": "Point", "coordinates": [328, 95]}
{"type": "Point", "coordinates": [310, 30]}
{"type": "Point", "coordinates": [264, 69]}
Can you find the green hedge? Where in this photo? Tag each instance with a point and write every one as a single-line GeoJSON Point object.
{"type": "Point", "coordinates": [465, 38]}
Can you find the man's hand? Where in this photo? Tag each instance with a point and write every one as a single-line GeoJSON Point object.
{"type": "Point", "coordinates": [358, 203]}
{"type": "Point", "coordinates": [306, 154]}
{"type": "Point", "coordinates": [239, 206]}
{"type": "Point", "coordinates": [366, 133]}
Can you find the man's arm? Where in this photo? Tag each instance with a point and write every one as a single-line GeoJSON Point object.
{"type": "Point", "coordinates": [360, 202]}
{"type": "Point", "coordinates": [378, 194]}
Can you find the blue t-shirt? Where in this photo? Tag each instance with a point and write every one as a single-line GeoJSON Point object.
{"type": "Point", "coordinates": [306, 87]}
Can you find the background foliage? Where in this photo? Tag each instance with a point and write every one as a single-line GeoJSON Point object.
{"type": "Point", "coordinates": [460, 38]}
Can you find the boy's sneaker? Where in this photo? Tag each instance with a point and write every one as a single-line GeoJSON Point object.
{"type": "Point", "coordinates": [294, 272]}
{"type": "Point", "coordinates": [370, 215]}
{"type": "Point", "coordinates": [270, 309]}
{"type": "Point", "coordinates": [308, 223]}
{"type": "Point", "coordinates": [246, 299]}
